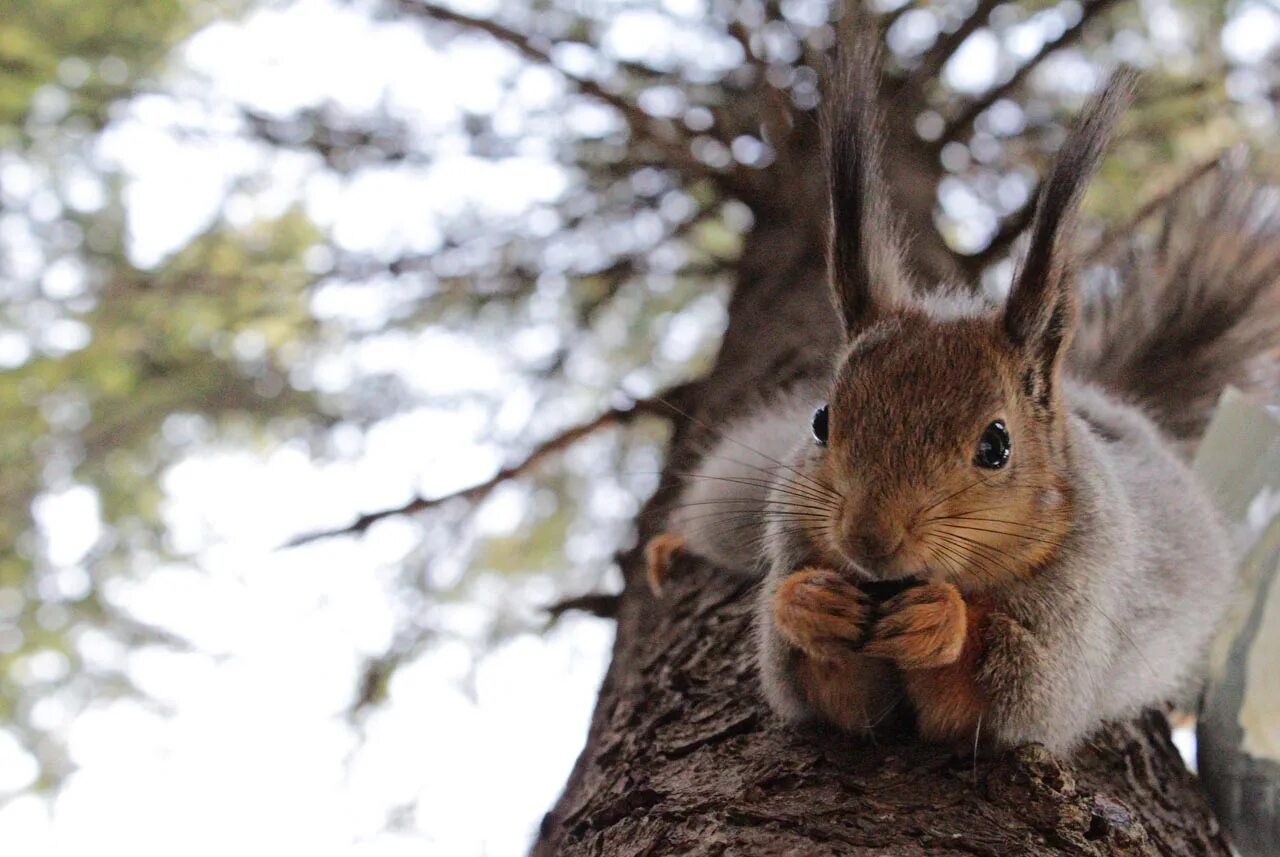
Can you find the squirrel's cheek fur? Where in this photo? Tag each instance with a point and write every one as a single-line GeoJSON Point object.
{"type": "Point", "coordinates": [990, 538]}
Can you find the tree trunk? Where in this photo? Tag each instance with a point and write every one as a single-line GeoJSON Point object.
{"type": "Point", "coordinates": [684, 757]}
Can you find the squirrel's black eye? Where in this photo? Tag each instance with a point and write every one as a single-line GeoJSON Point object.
{"type": "Point", "coordinates": [820, 425]}
{"type": "Point", "coordinates": [993, 446]}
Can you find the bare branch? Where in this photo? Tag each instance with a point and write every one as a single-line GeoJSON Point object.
{"type": "Point", "coordinates": [1116, 235]}
{"type": "Point", "coordinates": [531, 49]}
{"type": "Point", "coordinates": [946, 46]}
{"type": "Point", "coordinates": [964, 123]}
{"type": "Point", "coordinates": [663, 133]}
{"type": "Point", "coordinates": [345, 142]}
{"type": "Point", "coordinates": [742, 36]}
{"type": "Point", "coordinates": [1011, 227]}
{"type": "Point", "coordinates": [616, 416]}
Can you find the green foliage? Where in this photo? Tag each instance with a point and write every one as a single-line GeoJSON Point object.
{"type": "Point", "coordinates": [101, 48]}
{"type": "Point", "coordinates": [205, 335]}
{"type": "Point", "coordinates": [114, 354]}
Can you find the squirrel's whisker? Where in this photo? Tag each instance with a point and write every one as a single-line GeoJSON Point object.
{"type": "Point", "coordinates": [774, 475]}
{"type": "Point", "coordinates": [739, 443]}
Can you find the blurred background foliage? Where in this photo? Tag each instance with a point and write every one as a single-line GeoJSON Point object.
{"type": "Point", "coordinates": [639, 140]}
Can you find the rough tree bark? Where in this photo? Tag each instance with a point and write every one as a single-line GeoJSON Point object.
{"type": "Point", "coordinates": [683, 756]}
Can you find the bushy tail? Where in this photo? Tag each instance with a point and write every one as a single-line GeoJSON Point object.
{"type": "Point", "coordinates": [1193, 309]}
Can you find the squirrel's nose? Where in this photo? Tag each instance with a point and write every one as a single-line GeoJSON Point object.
{"type": "Point", "coordinates": [875, 547]}
{"type": "Point", "coordinates": [875, 543]}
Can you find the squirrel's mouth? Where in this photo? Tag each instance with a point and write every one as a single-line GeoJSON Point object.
{"type": "Point", "coordinates": [882, 590]}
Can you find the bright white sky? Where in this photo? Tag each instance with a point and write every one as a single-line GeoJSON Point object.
{"type": "Point", "coordinates": [254, 755]}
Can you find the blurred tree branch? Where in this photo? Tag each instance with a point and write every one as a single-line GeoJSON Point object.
{"type": "Point", "coordinates": [1123, 232]}
{"type": "Point", "coordinates": [601, 604]}
{"type": "Point", "coordinates": [946, 46]}
{"type": "Point", "coordinates": [660, 132]}
{"type": "Point", "coordinates": [616, 416]}
{"type": "Point", "coordinates": [960, 126]}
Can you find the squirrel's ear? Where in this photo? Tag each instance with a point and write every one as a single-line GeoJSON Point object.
{"type": "Point", "coordinates": [1041, 312]}
{"type": "Point", "coordinates": [863, 253]}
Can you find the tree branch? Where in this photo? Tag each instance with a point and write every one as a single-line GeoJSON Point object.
{"type": "Point", "coordinates": [530, 48]}
{"type": "Point", "coordinates": [1114, 236]}
{"type": "Point", "coordinates": [944, 48]}
{"type": "Point", "coordinates": [1011, 227]}
{"type": "Point", "coordinates": [964, 123]}
{"type": "Point", "coordinates": [642, 126]}
{"type": "Point", "coordinates": [616, 416]}
{"type": "Point", "coordinates": [742, 36]}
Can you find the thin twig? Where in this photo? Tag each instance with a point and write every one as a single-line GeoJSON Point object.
{"type": "Point", "coordinates": [531, 49]}
{"type": "Point", "coordinates": [742, 36]}
{"type": "Point", "coordinates": [961, 126]}
{"type": "Point", "coordinates": [616, 416]}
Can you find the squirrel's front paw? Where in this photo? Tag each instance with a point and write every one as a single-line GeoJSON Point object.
{"type": "Point", "coordinates": [922, 627]}
{"type": "Point", "coordinates": [821, 613]}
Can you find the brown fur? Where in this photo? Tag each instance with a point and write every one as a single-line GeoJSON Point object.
{"type": "Point", "coordinates": [827, 619]}
{"type": "Point", "coordinates": [853, 691]}
{"type": "Point", "coordinates": [922, 628]}
{"type": "Point", "coordinates": [913, 502]}
{"type": "Point", "coordinates": [821, 613]}
{"type": "Point", "coordinates": [863, 254]}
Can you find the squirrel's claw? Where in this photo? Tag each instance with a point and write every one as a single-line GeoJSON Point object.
{"type": "Point", "coordinates": [923, 627]}
{"type": "Point", "coordinates": [657, 555]}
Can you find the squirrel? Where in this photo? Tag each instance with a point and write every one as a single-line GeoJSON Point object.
{"type": "Point", "coordinates": [985, 515]}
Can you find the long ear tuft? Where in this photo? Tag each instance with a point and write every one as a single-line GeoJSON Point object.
{"type": "Point", "coordinates": [1041, 311]}
{"type": "Point", "coordinates": [863, 252]}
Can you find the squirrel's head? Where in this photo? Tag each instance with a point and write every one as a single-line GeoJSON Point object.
{"type": "Point", "coordinates": [944, 436]}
